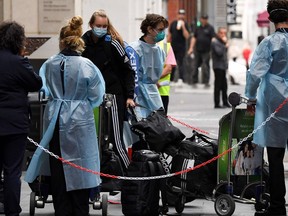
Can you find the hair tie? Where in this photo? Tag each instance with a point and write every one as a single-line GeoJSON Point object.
{"type": "Point", "coordinates": [278, 9]}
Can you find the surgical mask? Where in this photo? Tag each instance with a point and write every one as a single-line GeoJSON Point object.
{"type": "Point", "coordinates": [160, 36]}
{"type": "Point", "coordinates": [99, 32]}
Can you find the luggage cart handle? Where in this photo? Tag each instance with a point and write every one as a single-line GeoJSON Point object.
{"type": "Point", "coordinates": [236, 99]}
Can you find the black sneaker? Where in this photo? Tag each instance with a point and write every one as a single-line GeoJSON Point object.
{"type": "Point", "coordinates": [268, 213]}
{"type": "Point", "coordinates": [227, 105]}
{"type": "Point", "coordinates": [218, 107]}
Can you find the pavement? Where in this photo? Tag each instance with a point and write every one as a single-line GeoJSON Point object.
{"type": "Point", "coordinates": [179, 109]}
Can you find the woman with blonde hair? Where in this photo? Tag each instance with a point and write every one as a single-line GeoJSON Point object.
{"type": "Point", "coordinates": [104, 47]}
{"type": "Point", "coordinates": [74, 86]}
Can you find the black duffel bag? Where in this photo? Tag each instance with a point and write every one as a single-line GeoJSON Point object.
{"type": "Point", "coordinates": [158, 131]}
{"type": "Point", "coordinates": [194, 151]}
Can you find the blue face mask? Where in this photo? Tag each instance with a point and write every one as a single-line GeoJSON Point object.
{"type": "Point", "coordinates": [160, 36]}
{"type": "Point", "coordinates": [99, 32]}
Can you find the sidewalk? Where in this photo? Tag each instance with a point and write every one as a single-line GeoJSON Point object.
{"type": "Point", "coordinates": [198, 207]}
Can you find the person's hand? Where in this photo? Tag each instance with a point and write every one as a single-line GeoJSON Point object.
{"type": "Point", "coordinates": [190, 51]}
{"type": "Point", "coordinates": [251, 105]}
{"type": "Point", "coordinates": [180, 24]}
{"type": "Point", "coordinates": [130, 103]}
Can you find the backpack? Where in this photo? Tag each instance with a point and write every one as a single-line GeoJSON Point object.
{"type": "Point", "coordinates": [141, 197]}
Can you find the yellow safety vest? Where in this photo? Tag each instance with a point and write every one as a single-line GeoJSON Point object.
{"type": "Point", "coordinates": [164, 90]}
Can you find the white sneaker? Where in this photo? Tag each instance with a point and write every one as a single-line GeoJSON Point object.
{"type": "Point", "coordinates": [180, 83]}
{"type": "Point", "coordinates": [116, 199]}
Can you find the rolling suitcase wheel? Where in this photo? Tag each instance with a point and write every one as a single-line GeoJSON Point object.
{"type": "Point", "coordinates": [180, 204]}
{"type": "Point", "coordinates": [104, 204]}
{"type": "Point", "coordinates": [263, 203]}
{"type": "Point", "coordinates": [224, 205]}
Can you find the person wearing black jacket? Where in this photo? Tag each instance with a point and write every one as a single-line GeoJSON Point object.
{"type": "Point", "coordinates": [104, 47]}
{"type": "Point", "coordinates": [219, 48]}
{"type": "Point", "coordinates": [17, 78]}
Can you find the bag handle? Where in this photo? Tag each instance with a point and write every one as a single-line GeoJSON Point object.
{"type": "Point", "coordinates": [203, 137]}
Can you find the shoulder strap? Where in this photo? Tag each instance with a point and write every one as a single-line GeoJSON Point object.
{"type": "Point", "coordinates": [163, 183]}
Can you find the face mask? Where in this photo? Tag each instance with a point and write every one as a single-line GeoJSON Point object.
{"type": "Point", "coordinates": [160, 36]}
{"type": "Point", "coordinates": [99, 32]}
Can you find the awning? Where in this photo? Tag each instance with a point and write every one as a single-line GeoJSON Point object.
{"type": "Point", "coordinates": [262, 19]}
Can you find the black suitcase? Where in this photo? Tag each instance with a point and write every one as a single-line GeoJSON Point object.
{"type": "Point", "coordinates": [141, 197]}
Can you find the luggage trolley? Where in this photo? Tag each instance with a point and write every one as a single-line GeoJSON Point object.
{"type": "Point", "coordinates": [103, 119]}
{"type": "Point", "coordinates": [240, 173]}
{"type": "Point", "coordinates": [41, 186]}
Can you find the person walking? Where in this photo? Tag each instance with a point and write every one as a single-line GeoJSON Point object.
{"type": "Point", "coordinates": [74, 86]}
{"type": "Point", "coordinates": [151, 58]}
{"type": "Point", "coordinates": [178, 35]}
{"type": "Point", "coordinates": [200, 45]}
{"type": "Point", "coordinates": [219, 48]}
{"type": "Point", "coordinates": [16, 80]}
{"type": "Point", "coordinates": [164, 81]}
{"type": "Point", "coordinates": [267, 83]}
{"type": "Point", "coordinates": [105, 48]}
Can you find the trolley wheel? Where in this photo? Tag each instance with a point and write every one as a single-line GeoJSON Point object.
{"type": "Point", "coordinates": [32, 203]}
{"type": "Point", "coordinates": [263, 203]}
{"type": "Point", "coordinates": [224, 205]}
{"type": "Point", "coordinates": [104, 205]}
{"type": "Point", "coordinates": [180, 204]}
{"type": "Point", "coordinates": [96, 204]}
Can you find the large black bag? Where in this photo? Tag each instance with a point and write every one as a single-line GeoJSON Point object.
{"type": "Point", "coordinates": [194, 151]}
{"type": "Point", "coordinates": [141, 197]}
{"type": "Point", "coordinates": [111, 164]}
{"type": "Point", "coordinates": [158, 131]}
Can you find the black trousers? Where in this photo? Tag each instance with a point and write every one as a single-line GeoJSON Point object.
{"type": "Point", "coordinates": [201, 59]}
{"type": "Point", "coordinates": [179, 56]}
{"type": "Point", "coordinates": [276, 181]}
{"type": "Point", "coordinates": [12, 149]}
{"type": "Point", "coordinates": [72, 203]}
{"type": "Point", "coordinates": [165, 101]}
{"type": "Point", "coordinates": [220, 86]}
{"type": "Point", "coordinates": [118, 109]}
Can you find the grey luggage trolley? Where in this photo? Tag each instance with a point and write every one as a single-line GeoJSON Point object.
{"type": "Point", "coordinates": [108, 159]}
{"type": "Point", "coordinates": [240, 173]}
{"type": "Point", "coordinates": [41, 186]}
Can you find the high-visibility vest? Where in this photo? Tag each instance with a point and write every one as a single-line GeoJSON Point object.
{"type": "Point", "coordinates": [164, 89]}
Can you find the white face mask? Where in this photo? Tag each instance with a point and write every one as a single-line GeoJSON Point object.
{"type": "Point", "coordinates": [99, 32]}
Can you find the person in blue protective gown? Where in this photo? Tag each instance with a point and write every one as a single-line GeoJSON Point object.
{"type": "Point", "coordinates": [267, 81]}
{"type": "Point", "coordinates": [151, 62]}
{"type": "Point", "coordinates": [74, 86]}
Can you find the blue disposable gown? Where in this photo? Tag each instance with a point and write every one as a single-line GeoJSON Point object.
{"type": "Point", "coordinates": [268, 74]}
{"type": "Point", "coordinates": [84, 90]}
{"type": "Point", "coordinates": [151, 62]}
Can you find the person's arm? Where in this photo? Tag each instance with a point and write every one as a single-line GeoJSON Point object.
{"type": "Point", "coordinates": [260, 65]}
{"type": "Point", "coordinates": [166, 70]}
{"type": "Point", "coordinates": [127, 71]}
{"type": "Point", "coordinates": [192, 44]}
{"type": "Point", "coordinates": [185, 31]}
{"type": "Point", "coordinates": [217, 48]}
